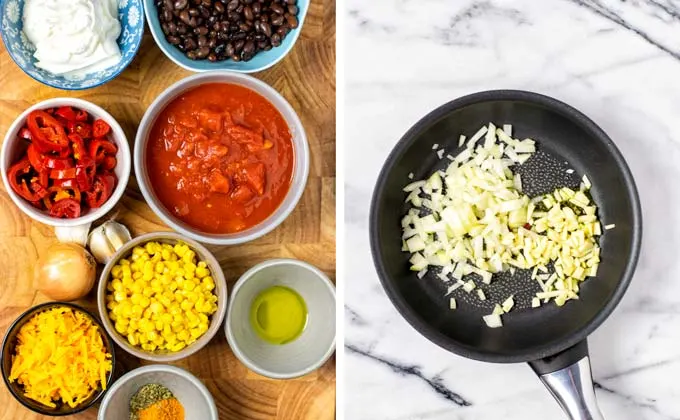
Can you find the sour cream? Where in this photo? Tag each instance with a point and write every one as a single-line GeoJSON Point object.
{"type": "Point", "coordinates": [73, 37]}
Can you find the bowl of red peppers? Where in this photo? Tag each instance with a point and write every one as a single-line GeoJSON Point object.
{"type": "Point", "coordinates": [65, 162]}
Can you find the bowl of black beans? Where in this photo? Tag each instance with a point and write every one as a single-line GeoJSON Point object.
{"type": "Point", "coordinates": [239, 35]}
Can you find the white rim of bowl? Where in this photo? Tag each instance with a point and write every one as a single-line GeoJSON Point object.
{"type": "Point", "coordinates": [163, 47]}
{"type": "Point", "coordinates": [230, 335]}
{"type": "Point", "coordinates": [158, 368]}
{"type": "Point", "coordinates": [93, 215]}
{"type": "Point", "coordinates": [148, 120]}
{"type": "Point", "coordinates": [109, 325]}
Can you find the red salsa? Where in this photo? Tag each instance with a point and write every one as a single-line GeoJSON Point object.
{"type": "Point", "coordinates": [220, 158]}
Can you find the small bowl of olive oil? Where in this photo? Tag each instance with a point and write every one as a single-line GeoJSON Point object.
{"type": "Point", "coordinates": [281, 322]}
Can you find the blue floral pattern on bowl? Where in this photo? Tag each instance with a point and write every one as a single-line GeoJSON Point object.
{"type": "Point", "coordinates": [130, 15]}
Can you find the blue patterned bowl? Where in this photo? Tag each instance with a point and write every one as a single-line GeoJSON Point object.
{"type": "Point", "coordinates": [21, 50]}
{"type": "Point", "coordinates": [262, 60]}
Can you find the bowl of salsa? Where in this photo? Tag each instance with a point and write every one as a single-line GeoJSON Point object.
{"type": "Point", "coordinates": [221, 157]}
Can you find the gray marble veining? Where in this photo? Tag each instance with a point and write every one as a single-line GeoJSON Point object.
{"type": "Point", "coordinates": [619, 63]}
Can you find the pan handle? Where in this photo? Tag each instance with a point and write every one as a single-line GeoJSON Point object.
{"type": "Point", "coordinates": [568, 377]}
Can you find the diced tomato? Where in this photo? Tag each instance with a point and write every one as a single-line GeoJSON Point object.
{"type": "Point", "coordinates": [218, 182]}
{"type": "Point", "coordinates": [253, 174]}
{"type": "Point", "coordinates": [242, 194]}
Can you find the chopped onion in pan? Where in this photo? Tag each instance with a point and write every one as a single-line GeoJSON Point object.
{"type": "Point", "coordinates": [473, 217]}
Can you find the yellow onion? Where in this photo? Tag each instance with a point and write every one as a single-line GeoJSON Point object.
{"type": "Point", "coordinates": [66, 272]}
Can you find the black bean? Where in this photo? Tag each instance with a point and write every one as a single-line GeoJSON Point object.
{"type": "Point", "coordinates": [239, 36]}
{"type": "Point", "coordinates": [256, 8]}
{"type": "Point", "coordinates": [246, 1]}
{"type": "Point", "coordinates": [184, 16]}
{"type": "Point", "coordinates": [219, 7]}
{"type": "Point", "coordinates": [165, 28]}
{"type": "Point", "coordinates": [190, 43]}
{"type": "Point", "coordinates": [172, 28]}
{"type": "Point", "coordinates": [202, 41]}
{"type": "Point", "coordinates": [262, 44]}
{"type": "Point", "coordinates": [192, 55]}
{"type": "Point", "coordinates": [256, 26]}
{"type": "Point", "coordinates": [180, 4]}
{"type": "Point", "coordinates": [248, 13]}
{"type": "Point", "coordinates": [168, 4]}
{"type": "Point", "coordinates": [244, 27]}
{"type": "Point", "coordinates": [291, 1]}
{"type": "Point", "coordinates": [293, 9]}
{"type": "Point", "coordinates": [181, 28]}
{"type": "Point", "coordinates": [292, 21]}
{"type": "Point", "coordinates": [276, 40]}
{"type": "Point", "coordinates": [235, 58]}
{"type": "Point", "coordinates": [283, 31]}
{"type": "Point", "coordinates": [232, 5]}
{"type": "Point", "coordinates": [276, 8]}
{"type": "Point", "coordinates": [201, 30]}
{"type": "Point", "coordinates": [166, 15]}
{"type": "Point", "coordinates": [239, 9]}
{"type": "Point", "coordinates": [260, 37]}
{"type": "Point", "coordinates": [193, 12]}
{"type": "Point", "coordinates": [212, 42]}
{"type": "Point", "coordinates": [173, 40]}
{"type": "Point", "coordinates": [212, 57]}
{"type": "Point", "coordinates": [238, 46]}
{"type": "Point", "coordinates": [203, 52]}
{"type": "Point", "coordinates": [207, 3]}
{"type": "Point", "coordinates": [249, 47]}
{"type": "Point", "coordinates": [229, 49]}
{"type": "Point", "coordinates": [278, 20]}
{"type": "Point", "coordinates": [268, 47]}
{"type": "Point", "coordinates": [266, 29]}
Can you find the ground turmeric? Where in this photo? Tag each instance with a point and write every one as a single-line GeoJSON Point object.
{"type": "Point", "coordinates": [168, 409]}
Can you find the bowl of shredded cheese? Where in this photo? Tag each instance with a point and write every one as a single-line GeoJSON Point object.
{"type": "Point", "coordinates": [57, 359]}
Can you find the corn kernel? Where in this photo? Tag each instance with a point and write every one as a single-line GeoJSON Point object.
{"type": "Point", "coordinates": [119, 296]}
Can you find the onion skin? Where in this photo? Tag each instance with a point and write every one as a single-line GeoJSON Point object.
{"type": "Point", "coordinates": [66, 272]}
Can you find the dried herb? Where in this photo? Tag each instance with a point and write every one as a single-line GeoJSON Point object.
{"type": "Point", "coordinates": [146, 396]}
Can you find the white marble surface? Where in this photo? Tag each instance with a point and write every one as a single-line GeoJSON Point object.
{"type": "Point", "coordinates": [619, 63]}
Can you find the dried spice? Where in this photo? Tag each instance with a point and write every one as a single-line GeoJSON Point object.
{"type": "Point", "coordinates": [169, 409]}
{"type": "Point", "coordinates": [147, 396]}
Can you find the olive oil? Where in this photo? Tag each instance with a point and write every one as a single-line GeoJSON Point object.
{"type": "Point", "coordinates": [278, 315]}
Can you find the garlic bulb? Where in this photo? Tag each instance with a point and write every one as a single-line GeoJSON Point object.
{"type": "Point", "coordinates": [75, 234]}
{"type": "Point", "coordinates": [106, 239]}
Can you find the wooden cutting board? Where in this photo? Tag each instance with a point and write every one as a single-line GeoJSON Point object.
{"type": "Point", "coordinates": [306, 78]}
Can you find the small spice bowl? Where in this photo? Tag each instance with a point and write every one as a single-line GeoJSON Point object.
{"type": "Point", "coordinates": [220, 291]}
{"type": "Point", "coordinates": [197, 401]}
{"type": "Point", "coordinates": [9, 344]}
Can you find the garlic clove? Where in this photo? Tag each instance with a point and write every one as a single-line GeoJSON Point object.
{"type": "Point", "coordinates": [76, 234]}
{"type": "Point", "coordinates": [106, 239]}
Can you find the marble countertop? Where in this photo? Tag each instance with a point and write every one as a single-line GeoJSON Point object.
{"type": "Point", "coordinates": [619, 63]}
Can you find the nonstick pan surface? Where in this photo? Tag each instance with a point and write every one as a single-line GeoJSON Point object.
{"type": "Point", "coordinates": [566, 139]}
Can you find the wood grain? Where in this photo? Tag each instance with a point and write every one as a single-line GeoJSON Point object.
{"type": "Point", "coordinates": [306, 78]}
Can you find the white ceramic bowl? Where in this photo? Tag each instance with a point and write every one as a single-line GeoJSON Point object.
{"type": "Point", "coordinates": [316, 343]}
{"type": "Point", "coordinates": [300, 147]}
{"type": "Point", "coordinates": [216, 319]}
{"type": "Point", "coordinates": [12, 147]}
{"type": "Point", "coordinates": [189, 390]}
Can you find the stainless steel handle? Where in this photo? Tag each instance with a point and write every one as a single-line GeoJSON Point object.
{"type": "Point", "coordinates": [573, 389]}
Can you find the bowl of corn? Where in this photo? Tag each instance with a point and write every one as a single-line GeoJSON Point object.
{"type": "Point", "coordinates": [162, 297]}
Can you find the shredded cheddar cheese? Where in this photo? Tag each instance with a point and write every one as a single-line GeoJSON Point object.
{"type": "Point", "coordinates": [60, 355]}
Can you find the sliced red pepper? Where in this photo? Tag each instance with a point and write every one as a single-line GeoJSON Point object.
{"type": "Point", "coordinates": [108, 163]}
{"type": "Point", "coordinates": [67, 183]}
{"type": "Point", "coordinates": [67, 208]}
{"type": "Point", "coordinates": [25, 134]}
{"type": "Point", "coordinates": [66, 112]}
{"type": "Point", "coordinates": [85, 171]}
{"type": "Point", "coordinates": [78, 145]}
{"type": "Point", "coordinates": [82, 116]}
{"type": "Point", "coordinates": [58, 163]}
{"type": "Point", "coordinates": [36, 157]}
{"type": "Point", "coordinates": [32, 192]}
{"type": "Point", "coordinates": [81, 128]}
{"type": "Point", "coordinates": [63, 173]}
{"type": "Point", "coordinates": [44, 178]}
{"type": "Point", "coordinates": [46, 132]}
{"type": "Point", "coordinates": [100, 128]}
{"type": "Point", "coordinates": [99, 148]}
{"type": "Point", "coordinates": [101, 190]}
{"type": "Point", "coordinates": [58, 193]}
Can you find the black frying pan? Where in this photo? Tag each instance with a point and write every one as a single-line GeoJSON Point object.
{"type": "Point", "coordinates": [551, 339]}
